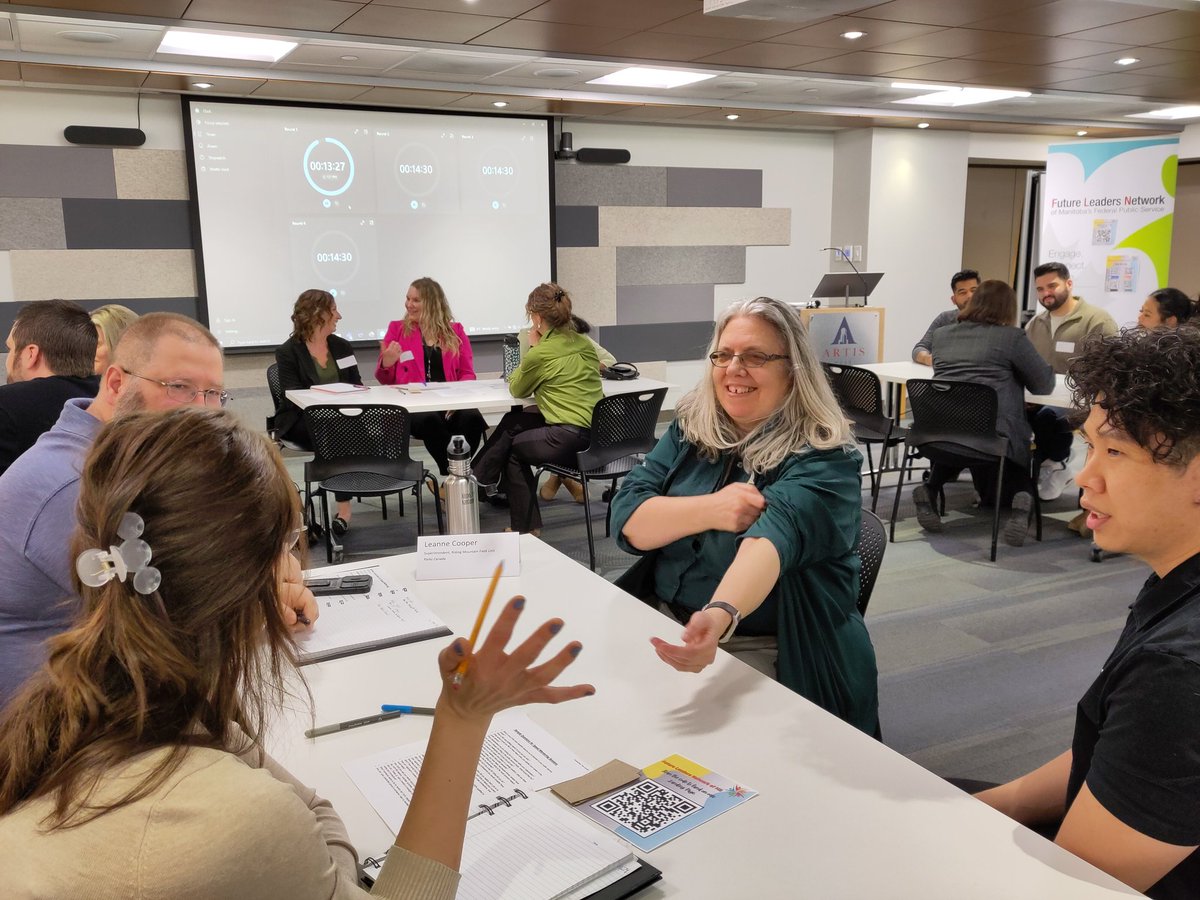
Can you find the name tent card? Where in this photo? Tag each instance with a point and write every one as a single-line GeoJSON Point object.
{"type": "Point", "coordinates": [467, 555]}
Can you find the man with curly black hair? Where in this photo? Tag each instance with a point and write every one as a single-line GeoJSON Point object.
{"type": "Point", "coordinates": [1127, 793]}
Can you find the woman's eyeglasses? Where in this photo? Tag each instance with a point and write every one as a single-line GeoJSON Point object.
{"type": "Point", "coordinates": [751, 359]}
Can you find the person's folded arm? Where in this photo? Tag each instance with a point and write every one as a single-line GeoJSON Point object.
{"type": "Point", "coordinates": [1036, 798]}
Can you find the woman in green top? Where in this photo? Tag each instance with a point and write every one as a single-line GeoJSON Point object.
{"type": "Point", "coordinates": [752, 502]}
{"type": "Point", "coordinates": [562, 372]}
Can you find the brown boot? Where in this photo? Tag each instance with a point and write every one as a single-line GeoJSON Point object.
{"type": "Point", "coordinates": [574, 488]}
{"type": "Point", "coordinates": [1079, 525]}
{"type": "Point", "coordinates": [550, 487]}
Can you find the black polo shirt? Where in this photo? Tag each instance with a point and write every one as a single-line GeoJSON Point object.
{"type": "Point", "coordinates": [29, 408]}
{"type": "Point", "coordinates": [1137, 729]}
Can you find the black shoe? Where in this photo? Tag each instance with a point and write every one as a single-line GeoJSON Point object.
{"type": "Point", "coordinates": [340, 526]}
{"type": "Point", "coordinates": [1017, 526]}
{"type": "Point", "coordinates": [498, 500]}
{"type": "Point", "coordinates": [927, 517]}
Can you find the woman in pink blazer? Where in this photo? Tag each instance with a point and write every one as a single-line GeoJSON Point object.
{"type": "Point", "coordinates": [427, 346]}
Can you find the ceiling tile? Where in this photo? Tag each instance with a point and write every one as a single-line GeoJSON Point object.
{"type": "Point", "coordinates": [1025, 77]}
{"type": "Point", "coordinates": [525, 34]}
{"type": "Point", "coordinates": [1146, 57]}
{"type": "Point", "coordinates": [726, 27]}
{"type": "Point", "coordinates": [869, 63]}
{"type": "Point", "coordinates": [1044, 51]}
{"type": "Point", "coordinates": [656, 113]}
{"type": "Point", "coordinates": [878, 32]}
{"type": "Point", "coordinates": [1064, 16]}
{"type": "Point", "coordinates": [650, 46]}
{"type": "Point", "coordinates": [328, 55]}
{"type": "Point", "coordinates": [954, 42]}
{"type": "Point", "coordinates": [312, 15]}
{"type": "Point", "coordinates": [169, 81]}
{"type": "Point", "coordinates": [1191, 42]}
{"type": "Point", "coordinates": [487, 102]}
{"type": "Point", "coordinates": [166, 9]}
{"type": "Point", "coordinates": [6, 32]}
{"type": "Point", "coordinates": [718, 115]}
{"type": "Point", "coordinates": [451, 62]}
{"type": "Point", "coordinates": [32, 73]}
{"type": "Point", "coordinates": [10, 71]}
{"type": "Point", "coordinates": [501, 8]}
{"type": "Point", "coordinates": [526, 74]}
{"type": "Point", "coordinates": [1115, 82]}
{"type": "Point", "coordinates": [1165, 26]}
{"type": "Point", "coordinates": [635, 14]}
{"type": "Point", "coordinates": [1189, 69]}
{"type": "Point", "coordinates": [391, 96]}
{"type": "Point", "coordinates": [940, 12]}
{"type": "Point", "coordinates": [1185, 90]}
{"type": "Point", "coordinates": [813, 120]}
{"type": "Point", "coordinates": [580, 108]}
{"type": "Point", "coordinates": [952, 70]}
{"type": "Point", "coordinates": [36, 35]}
{"type": "Point", "coordinates": [770, 56]}
{"type": "Point", "coordinates": [417, 24]}
{"type": "Point", "coordinates": [310, 90]}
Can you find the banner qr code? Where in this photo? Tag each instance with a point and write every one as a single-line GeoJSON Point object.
{"type": "Point", "coordinates": [646, 807]}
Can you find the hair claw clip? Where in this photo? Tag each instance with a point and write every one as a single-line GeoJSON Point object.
{"type": "Point", "coordinates": [97, 567]}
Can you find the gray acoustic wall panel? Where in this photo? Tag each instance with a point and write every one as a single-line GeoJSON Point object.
{"type": "Point", "coordinates": [646, 304]}
{"type": "Point", "coordinates": [680, 265]}
{"type": "Point", "coordinates": [714, 187]}
{"type": "Point", "coordinates": [584, 184]}
{"type": "Point", "coordinates": [577, 226]}
{"type": "Point", "coordinates": [56, 172]}
{"type": "Point", "coordinates": [127, 224]}
{"type": "Point", "coordinates": [670, 340]}
{"type": "Point", "coordinates": [185, 306]}
{"type": "Point", "coordinates": [31, 223]}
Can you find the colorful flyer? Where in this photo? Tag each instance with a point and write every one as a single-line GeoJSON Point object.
{"type": "Point", "coordinates": [670, 798]}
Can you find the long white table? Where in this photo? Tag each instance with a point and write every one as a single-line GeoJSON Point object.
{"type": "Point", "coordinates": [838, 815]}
{"type": "Point", "coordinates": [486, 395]}
{"type": "Point", "coordinates": [896, 373]}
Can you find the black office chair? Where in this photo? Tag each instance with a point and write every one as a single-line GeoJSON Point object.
{"type": "Point", "coordinates": [954, 424]}
{"type": "Point", "coordinates": [362, 450]}
{"type": "Point", "coordinates": [276, 390]}
{"type": "Point", "coordinates": [861, 396]}
{"type": "Point", "coordinates": [872, 542]}
{"type": "Point", "coordinates": [622, 430]}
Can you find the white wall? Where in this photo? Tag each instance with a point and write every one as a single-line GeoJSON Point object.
{"type": "Point", "coordinates": [38, 116]}
{"type": "Point", "coordinates": [918, 193]}
{"type": "Point", "coordinates": [1009, 148]}
{"type": "Point", "coordinates": [1189, 142]}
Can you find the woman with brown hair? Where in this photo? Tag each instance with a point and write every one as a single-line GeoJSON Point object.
{"type": "Point", "coordinates": [132, 763]}
{"type": "Point", "coordinates": [314, 355]}
{"type": "Point", "coordinates": [986, 347]}
{"type": "Point", "coordinates": [562, 372]}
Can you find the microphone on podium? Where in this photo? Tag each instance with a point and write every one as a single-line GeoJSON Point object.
{"type": "Point", "coordinates": [846, 256]}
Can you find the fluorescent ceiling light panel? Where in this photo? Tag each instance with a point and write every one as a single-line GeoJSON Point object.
{"type": "Point", "coordinates": [957, 96]}
{"type": "Point", "coordinates": [182, 42]}
{"type": "Point", "coordinates": [1171, 112]}
{"type": "Point", "coordinates": [642, 76]}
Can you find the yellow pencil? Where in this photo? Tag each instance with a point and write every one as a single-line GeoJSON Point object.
{"type": "Point", "coordinates": [487, 601]}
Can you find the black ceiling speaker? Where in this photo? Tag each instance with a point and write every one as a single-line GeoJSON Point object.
{"type": "Point", "coordinates": [588, 154]}
{"type": "Point", "coordinates": [104, 137]}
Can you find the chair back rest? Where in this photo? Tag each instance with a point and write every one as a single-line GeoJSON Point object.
{"type": "Point", "coordinates": [368, 433]}
{"type": "Point", "coordinates": [274, 386]}
{"type": "Point", "coordinates": [858, 390]}
{"type": "Point", "coordinates": [622, 424]}
{"type": "Point", "coordinates": [872, 541]}
{"type": "Point", "coordinates": [952, 407]}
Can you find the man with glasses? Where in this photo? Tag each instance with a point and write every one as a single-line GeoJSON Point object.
{"type": "Point", "coordinates": [162, 361]}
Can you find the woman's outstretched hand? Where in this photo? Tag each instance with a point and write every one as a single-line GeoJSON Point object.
{"type": "Point", "coordinates": [699, 647]}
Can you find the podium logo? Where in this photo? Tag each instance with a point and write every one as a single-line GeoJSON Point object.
{"type": "Point", "coordinates": [844, 335]}
{"type": "Point", "coordinates": [844, 346]}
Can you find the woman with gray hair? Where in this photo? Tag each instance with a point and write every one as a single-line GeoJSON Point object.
{"type": "Point", "coordinates": [751, 504]}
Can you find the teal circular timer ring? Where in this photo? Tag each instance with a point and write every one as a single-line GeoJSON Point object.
{"type": "Point", "coordinates": [329, 169]}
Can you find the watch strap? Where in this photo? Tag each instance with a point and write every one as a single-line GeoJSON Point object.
{"type": "Point", "coordinates": [735, 618]}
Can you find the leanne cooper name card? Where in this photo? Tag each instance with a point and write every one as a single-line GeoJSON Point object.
{"type": "Point", "coordinates": [467, 555]}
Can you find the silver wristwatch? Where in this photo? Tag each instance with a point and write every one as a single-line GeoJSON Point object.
{"type": "Point", "coordinates": [735, 618]}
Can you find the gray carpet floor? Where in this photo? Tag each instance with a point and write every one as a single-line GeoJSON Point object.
{"type": "Point", "coordinates": [980, 663]}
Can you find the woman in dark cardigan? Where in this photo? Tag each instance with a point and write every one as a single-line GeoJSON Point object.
{"type": "Point", "coordinates": [313, 355]}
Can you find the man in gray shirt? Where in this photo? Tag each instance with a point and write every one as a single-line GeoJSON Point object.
{"type": "Point", "coordinates": [962, 288]}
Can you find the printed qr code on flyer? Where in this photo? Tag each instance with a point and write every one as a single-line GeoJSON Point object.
{"type": "Point", "coordinates": [646, 807]}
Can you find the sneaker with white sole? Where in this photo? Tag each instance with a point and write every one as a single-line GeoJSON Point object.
{"type": "Point", "coordinates": [1017, 526]}
{"type": "Point", "coordinates": [927, 516]}
{"type": "Point", "coordinates": [1053, 479]}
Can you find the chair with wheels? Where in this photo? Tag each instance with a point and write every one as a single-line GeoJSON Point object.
{"type": "Point", "coordinates": [362, 450]}
{"type": "Point", "coordinates": [872, 542]}
{"type": "Point", "coordinates": [622, 431]}
{"type": "Point", "coordinates": [954, 424]}
{"type": "Point", "coordinates": [861, 396]}
{"type": "Point", "coordinates": [276, 390]}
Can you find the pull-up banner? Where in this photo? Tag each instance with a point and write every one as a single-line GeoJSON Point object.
{"type": "Point", "coordinates": [1107, 213]}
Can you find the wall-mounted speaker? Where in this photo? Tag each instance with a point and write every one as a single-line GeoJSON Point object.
{"type": "Point", "coordinates": [601, 155]}
{"type": "Point", "coordinates": [97, 136]}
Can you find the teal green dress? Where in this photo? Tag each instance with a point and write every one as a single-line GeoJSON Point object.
{"type": "Point", "coordinates": [812, 518]}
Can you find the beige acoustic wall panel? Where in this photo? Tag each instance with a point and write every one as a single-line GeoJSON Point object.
{"type": "Point", "coordinates": [673, 226]}
{"type": "Point", "coordinates": [150, 174]}
{"type": "Point", "coordinates": [590, 275]}
{"type": "Point", "coordinates": [102, 274]}
{"type": "Point", "coordinates": [6, 286]}
{"type": "Point", "coordinates": [1185, 261]}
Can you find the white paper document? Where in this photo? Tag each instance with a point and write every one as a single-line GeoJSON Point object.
{"type": "Point", "coordinates": [467, 555]}
{"type": "Point", "coordinates": [516, 754]}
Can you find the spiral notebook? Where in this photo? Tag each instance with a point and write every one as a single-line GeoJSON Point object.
{"type": "Point", "coordinates": [526, 846]}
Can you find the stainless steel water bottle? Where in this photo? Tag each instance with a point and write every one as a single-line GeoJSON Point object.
{"type": "Point", "coordinates": [462, 491]}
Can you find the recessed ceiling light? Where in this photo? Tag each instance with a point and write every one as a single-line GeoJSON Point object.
{"type": "Point", "coordinates": [203, 85]}
{"type": "Point", "coordinates": [557, 72]}
{"type": "Point", "coordinates": [955, 96]}
{"type": "Point", "coordinates": [1170, 112]}
{"type": "Point", "coordinates": [853, 35]}
{"type": "Point", "coordinates": [922, 124]}
{"type": "Point", "coordinates": [89, 37]}
{"type": "Point", "coordinates": [733, 117]}
{"type": "Point", "coordinates": [349, 57]}
{"type": "Point", "coordinates": [182, 42]}
{"type": "Point", "coordinates": [500, 104]}
{"type": "Point", "coordinates": [740, 84]}
{"type": "Point", "coordinates": [643, 76]}
{"type": "Point", "coordinates": [1126, 60]}
{"type": "Point", "coordinates": [1080, 133]}
{"type": "Point", "coordinates": [811, 91]}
